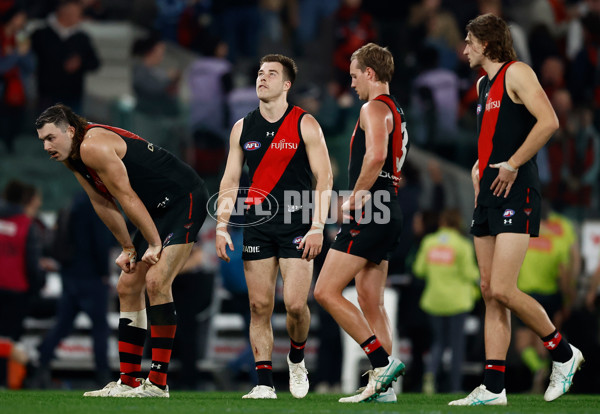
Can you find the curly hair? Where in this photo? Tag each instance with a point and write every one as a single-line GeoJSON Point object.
{"type": "Point", "coordinates": [494, 33]}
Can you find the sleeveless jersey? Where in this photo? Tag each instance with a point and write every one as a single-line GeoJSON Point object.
{"type": "Point", "coordinates": [389, 176]}
{"type": "Point", "coordinates": [276, 157]}
{"type": "Point", "coordinates": [156, 175]}
{"type": "Point", "coordinates": [503, 126]}
{"type": "Point", "coordinates": [13, 243]}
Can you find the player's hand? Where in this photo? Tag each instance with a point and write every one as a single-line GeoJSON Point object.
{"type": "Point", "coordinates": [312, 243]}
{"type": "Point", "coordinates": [127, 259]}
{"type": "Point", "coordinates": [152, 255]}
{"type": "Point", "coordinates": [475, 178]}
{"type": "Point", "coordinates": [505, 179]}
{"type": "Point", "coordinates": [356, 202]}
{"type": "Point", "coordinates": [223, 240]}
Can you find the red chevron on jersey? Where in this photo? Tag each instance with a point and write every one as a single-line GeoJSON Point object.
{"type": "Point", "coordinates": [397, 136]}
{"type": "Point", "coordinates": [276, 158]}
{"type": "Point", "coordinates": [116, 130]}
{"type": "Point", "coordinates": [490, 118]}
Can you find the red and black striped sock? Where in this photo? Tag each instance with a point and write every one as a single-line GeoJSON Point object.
{"type": "Point", "coordinates": [132, 335]}
{"type": "Point", "coordinates": [297, 351]}
{"type": "Point", "coordinates": [559, 348]}
{"type": "Point", "coordinates": [375, 352]}
{"type": "Point", "coordinates": [493, 375]}
{"type": "Point", "coordinates": [264, 370]}
{"type": "Point", "coordinates": [163, 324]}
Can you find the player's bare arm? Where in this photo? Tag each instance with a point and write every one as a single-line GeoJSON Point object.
{"type": "Point", "coordinates": [111, 216]}
{"type": "Point", "coordinates": [99, 151]}
{"type": "Point", "coordinates": [318, 158]}
{"type": "Point", "coordinates": [228, 190]}
{"type": "Point", "coordinates": [376, 120]}
{"type": "Point", "coordinates": [475, 179]}
{"type": "Point", "coordinates": [523, 87]}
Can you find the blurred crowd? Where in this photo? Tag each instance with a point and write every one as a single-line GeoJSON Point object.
{"type": "Point", "coordinates": [45, 56]}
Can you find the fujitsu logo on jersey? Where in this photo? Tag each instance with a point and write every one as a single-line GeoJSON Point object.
{"type": "Point", "coordinates": [281, 145]}
{"type": "Point", "coordinates": [492, 105]}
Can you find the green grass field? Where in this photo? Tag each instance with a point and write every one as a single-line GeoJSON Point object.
{"type": "Point", "coordinates": [71, 402]}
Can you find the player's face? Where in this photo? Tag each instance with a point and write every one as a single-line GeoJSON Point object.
{"type": "Point", "coordinates": [474, 51]}
{"type": "Point", "coordinates": [270, 82]}
{"type": "Point", "coordinates": [57, 142]}
{"type": "Point", "coordinates": [359, 80]}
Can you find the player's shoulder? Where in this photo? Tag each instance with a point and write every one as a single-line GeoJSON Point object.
{"type": "Point", "coordinates": [519, 71]}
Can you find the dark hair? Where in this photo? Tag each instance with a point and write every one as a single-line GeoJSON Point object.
{"type": "Point", "coordinates": [18, 192]}
{"type": "Point", "coordinates": [378, 58]}
{"type": "Point", "coordinates": [290, 70]}
{"type": "Point", "coordinates": [141, 47]}
{"type": "Point", "coordinates": [494, 34]}
{"type": "Point", "coordinates": [62, 116]}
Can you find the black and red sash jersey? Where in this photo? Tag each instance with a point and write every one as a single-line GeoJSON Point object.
{"type": "Point", "coordinates": [276, 157]}
{"type": "Point", "coordinates": [156, 175]}
{"type": "Point", "coordinates": [503, 126]}
{"type": "Point", "coordinates": [398, 145]}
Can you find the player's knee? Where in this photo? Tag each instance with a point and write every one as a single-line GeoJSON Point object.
{"type": "Point", "coordinates": [501, 296]}
{"type": "Point", "coordinates": [260, 308]}
{"type": "Point", "coordinates": [127, 287]}
{"type": "Point", "coordinates": [486, 292]}
{"type": "Point", "coordinates": [296, 309]}
{"type": "Point", "coordinates": [156, 286]}
{"type": "Point", "coordinates": [321, 296]}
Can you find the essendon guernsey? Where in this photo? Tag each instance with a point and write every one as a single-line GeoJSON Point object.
{"type": "Point", "coordinates": [503, 126]}
{"type": "Point", "coordinates": [276, 157]}
{"type": "Point", "coordinates": [156, 175]}
{"type": "Point", "coordinates": [389, 176]}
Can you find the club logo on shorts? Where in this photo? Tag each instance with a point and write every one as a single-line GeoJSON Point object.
{"type": "Point", "coordinates": [167, 240]}
{"type": "Point", "coordinates": [528, 211]}
{"type": "Point", "coordinates": [189, 225]}
{"type": "Point", "coordinates": [251, 145]}
{"type": "Point", "coordinates": [508, 213]}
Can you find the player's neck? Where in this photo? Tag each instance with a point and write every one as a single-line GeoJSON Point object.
{"type": "Point", "coordinates": [492, 68]}
{"type": "Point", "coordinates": [272, 111]}
{"type": "Point", "coordinates": [378, 89]}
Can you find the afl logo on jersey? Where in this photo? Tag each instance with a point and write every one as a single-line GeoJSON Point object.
{"type": "Point", "coordinates": [478, 109]}
{"type": "Point", "coordinates": [297, 240]}
{"type": "Point", "coordinates": [508, 213]}
{"type": "Point", "coordinates": [251, 145]}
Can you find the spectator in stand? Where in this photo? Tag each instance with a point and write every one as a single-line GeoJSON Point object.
{"type": "Point", "coordinates": [446, 260]}
{"type": "Point", "coordinates": [16, 63]}
{"type": "Point", "coordinates": [575, 164]}
{"type": "Point", "coordinates": [435, 102]}
{"type": "Point", "coordinates": [155, 87]}
{"type": "Point", "coordinates": [552, 75]}
{"type": "Point", "coordinates": [237, 22]}
{"type": "Point", "coordinates": [353, 28]}
{"type": "Point", "coordinates": [65, 53]}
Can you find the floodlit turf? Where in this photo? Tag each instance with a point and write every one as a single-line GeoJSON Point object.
{"type": "Point", "coordinates": [72, 402]}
